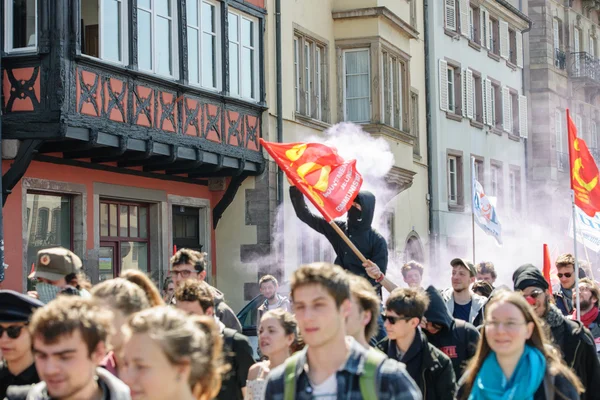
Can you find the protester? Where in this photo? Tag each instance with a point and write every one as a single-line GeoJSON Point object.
{"type": "Point", "coordinates": [69, 341]}
{"type": "Point", "coordinates": [462, 303]}
{"type": "Point", "coordinates": [572, 338]}
{"type": "Point", "coordinates": [487, 272]}
{"type": "Point", "coordinates": [268, 286]}
{"type": "Point", "coordinates": [412, 273]}
{"type": "Point", "coordinates": [171, 356]}
{"type": "Point", "coordinates": [454, 337]}
{"type": "Point", "coordinates": [141, 279]}
{"type": "Point", "coordinates": [361, 323]}
{"type": "Point", "coordinates": [190, 264]}
{"type": "Point", "coordinates": [482, 288]}
{"type": "Point", "coordinates": [358, 229]}
{"type": "Point", "coordinates": [17, 364]}
{"type": "Point", "coordinates": [276, 336]}
{"type": "Point", "coordinates": [428, 367]}
{"type": "Point", "coordinates": [563, 293]}
{"type": "Point", "coordinates": [514, 359]}
{"type": "Point", "coordinates": [123, 299]}
{"type": "Point", "coordinates": [321, 296]}
{"type": "Point", "coordinates": [196, 297]}
{"type": "Point", "coordinates": [589, 296]}
{"type": "Point", "coordinates": [168, 290]}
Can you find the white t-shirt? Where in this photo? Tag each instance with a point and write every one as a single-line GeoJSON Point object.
{"type": "Point", "coordinates": [326, 390]}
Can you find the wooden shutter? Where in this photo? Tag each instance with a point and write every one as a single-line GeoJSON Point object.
{"type": "Point", "coordinates": [484, 100]}
{"type": "Point", "coordinates": [450, 6]}
{"type": "Point", "coordinates": [504, 40]}
{"type": "Point", "coordinates": [506, 107]}
{"type": "Point", "coordinates": [464, 18]}
{"type": "Point", "coordinates": [469, 92]}
{"type": "Point", "coordinates": [443, 85]}
{"type": "Point", "coordinates": [519, 48]}
{"type": "Point", "coordinates": [489, 110]}
{"type": "Point", "coordinates": [463, 86]}
{"type": "Point", "coordinates": [523, 117]}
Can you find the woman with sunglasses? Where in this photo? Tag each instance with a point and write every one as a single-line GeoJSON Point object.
{"type": "Point", "coordinates": [514, 360]}
{"type": "Point", "coordinates": [17, 366]}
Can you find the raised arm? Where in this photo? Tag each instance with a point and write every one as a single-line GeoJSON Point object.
{"type": "Point", "coordinates": [316, 222]}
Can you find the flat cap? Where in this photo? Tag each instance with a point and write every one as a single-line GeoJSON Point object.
{"type": "Point", "coordinates": [17, 307]}
{"type": "Point", "coordinates": [465, 263]}
{"type": "Point", "coordinates": [56, 263]}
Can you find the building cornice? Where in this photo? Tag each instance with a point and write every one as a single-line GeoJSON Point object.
{"type": "Point", "coordinates": [371, 12]}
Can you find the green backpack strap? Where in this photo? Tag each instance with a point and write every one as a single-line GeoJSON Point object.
{"type": "Point", "coordinates": [289, 386]}
{"type": "Point", "coordinates": [367, 381]}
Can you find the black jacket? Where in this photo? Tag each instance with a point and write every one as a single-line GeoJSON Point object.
{"type": "Point", "coordinates": [457, 339]}
{"type": "Point", "coordinates": [371, 244]}
{"type": "Point", "coordinates": [238, 354]}
{"type": "Point", "coordinates": [7, 379]}
{"type": "Point", "coordinates": [430, 368]}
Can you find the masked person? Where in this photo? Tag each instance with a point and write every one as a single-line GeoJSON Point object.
{"type": "Point", "coordinates": [17, 366]}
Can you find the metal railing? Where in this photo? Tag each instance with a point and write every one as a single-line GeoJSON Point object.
{"type": "Point", "coordinates": [583, 65]}
{"type": "Point", "coordinates": [562, 161]}
{"type": "Point", "coordinates": [560, 59]}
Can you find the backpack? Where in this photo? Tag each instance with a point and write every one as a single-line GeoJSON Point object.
{"type": "Point", "coordinates": [366, 381]}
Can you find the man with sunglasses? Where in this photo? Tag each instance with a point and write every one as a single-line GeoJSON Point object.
{"type": "Point", "coordinates": [429, 367]}
{"type": "Point", "coordinates": [563, 293]}
{"type": "Point", "coordinates": [17, 366]}
{"type": "Point", "coordinates": [572, 338]}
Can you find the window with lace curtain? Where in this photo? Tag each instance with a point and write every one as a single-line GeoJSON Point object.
{"type": "Point", "coordinates": [357, 85]}
{"type": "Point", "coordinates": [310, 77]}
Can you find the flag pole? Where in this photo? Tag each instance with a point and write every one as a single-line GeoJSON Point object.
{"type": "Point", "coordinates": [577, 304]}
{"type": "Point", "coordinates": [345, 238]}
{"type": "Point", "coordinates": [472, 209]}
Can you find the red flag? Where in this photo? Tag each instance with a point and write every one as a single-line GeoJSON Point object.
{"type": "Point", "coordinates": [330, 182]}
{"type": "Point", "coordinates": [547, 267]}
{"type": "Point", "coordinates": [584, 173]}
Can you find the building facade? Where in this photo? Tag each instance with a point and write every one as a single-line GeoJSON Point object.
{"type": "Point", "coordinates": [478, 111]}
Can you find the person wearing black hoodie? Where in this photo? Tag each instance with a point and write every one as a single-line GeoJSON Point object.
{"type": "Point", "coordinates": [455, 338]}
{"type": "Point", "coordinates": [572, 338]}
{"type": "Point", "coordinates": [430, 368]}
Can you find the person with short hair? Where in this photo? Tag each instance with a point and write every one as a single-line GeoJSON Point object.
{"type": "Point", "coordinates": [429, 367]}
{"type": "Point", "coordinates": [196, 298]}
{"type": "Point", "coordinates": [486, 272]}
{"type": "Point", "coordinates": [69, 341]}
{"type": "Point", "coordinates": [168, 290]}
{"type": "Point", "coordinates": [191, 264]}
{"type": "Point", "coordinates": [412, 273]}
{"type": "Point", "coordinates": [563, 293]}
{"type": "Point", "coordinates": [462, 303]}
{"type": "Point", "coordinates": [172, 356]}
{"type": "Point", "coordinates": [361, 323]}
{"type": "Point", "coordinates": [482, 288]}
{"type": "Point", "coordinates": [17, 365]}
{"type": "Point", "coordinates": [589, 301]}
{"type": "Point", "coordinates": [268, 287]}
{"type": "Point", "coordinates": [332, 361]}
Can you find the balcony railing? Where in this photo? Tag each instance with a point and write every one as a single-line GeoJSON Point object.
{"type": "Point", "coordinates": [560, 59]}
{"type": "Point", "coordinates": [583, 65]}
{"type": "Point", "coordinates": [562, 161]}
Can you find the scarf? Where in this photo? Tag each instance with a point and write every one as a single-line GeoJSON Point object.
{"type": "Point", "coordinates": [553, 317]}
{"type": "Point", "coordinates": [588, 317]}
{"type": "Point", "coordinates": [491, 384]}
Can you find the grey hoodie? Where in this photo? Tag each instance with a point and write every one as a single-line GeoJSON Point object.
{"type": "Point", "coordinates": [477, 305]}
{"type": "Point", "coordinates": [224, 312]}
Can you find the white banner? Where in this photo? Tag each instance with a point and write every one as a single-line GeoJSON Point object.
{"type": "Point", "coordinates": [588, 230]}
{"type": "Point", "coordinates": [483, 210]}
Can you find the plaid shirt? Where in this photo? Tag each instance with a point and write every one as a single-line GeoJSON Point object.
{"type": "Point", "coordinates": [392, 381]}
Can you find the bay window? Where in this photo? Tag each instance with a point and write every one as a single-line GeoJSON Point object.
{"type": "Point", "coordinates": [243, 55]}
{"type": "Point", "coordinates": [357, 85]}
{"type": "Point", "coordinates": [204, 58]}
{"type": "Point", "coordinates": [104, 24]}
{"type": "Point", "coordinates": [157, 37]}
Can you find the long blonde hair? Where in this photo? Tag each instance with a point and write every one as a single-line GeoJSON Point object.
{"type": "Point", "coordinates": [554, 363]}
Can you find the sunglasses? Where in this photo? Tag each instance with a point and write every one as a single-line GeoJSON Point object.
{"type": "Point", "coordinates": [533, 295]}
{"type": "Point", "coordinates": [13, 331]}
{"type": "Point", "coordinates": [566, 275]}
{"type": "Point", "coordinates": [393, 320]}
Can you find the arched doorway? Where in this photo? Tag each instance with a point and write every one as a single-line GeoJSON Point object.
{"type": "Point", "coordinates": [413, 249]}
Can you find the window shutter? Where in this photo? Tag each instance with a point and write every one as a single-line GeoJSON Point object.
{"type": "Point", "coordinates": [519, 49]}
{"type": "Point", "coordinates": [464, 18]}
{"type": "Point", "coordinates": [506, 114]}
{"type": "Point", "coordinates": [484, 100]}
{"type": "Point", "coordinates": [523, 116]}
{"type": "Point", "coordinates": [463, 85]}
{"type": "Point", "coordinates": [450, 14]}
{"type": "Point", "coordinates": [488, 96]}
{"type": "Point", "coordinates": [469, 92]}
{"type": "Point", "coordinates": [483, 38]}
{"type": "Point", "coordinates": [504, 42]}
{"type": "Point", "coordinates": [443, 85]}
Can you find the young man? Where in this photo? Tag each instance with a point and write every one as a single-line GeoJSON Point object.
{"type": "Point", "coordinates": [69, 336]}
{"type": "Point", "coordinates": [332, 361]}
{"type": "Point", "coordinates": [268, 286]}
{"type": "Point", "coordinates": [462, 303]}
{"type": "Point", "coordinates": [17, 366]}
{"type": "Point", "coordinates": [589, 297]}
{"type": "Point", "coordinates": [563, 293]}
{"type": "Point", "coordinates": [486, 272]}
{"type": "Point", "coordinates": [190, 264]}
{"type": "Point", "coordinates": [454, 337]}
{"type": "Point", "coordinates": [429, 367]}
{"type": "Point", "coordinates": [196, 297]}
{"type": "Point", "coordinates": [412, 272]}
{"type": "Point", "coordinates": [361, 323]}
{"type": "Point", "coordinates": [572, 338]}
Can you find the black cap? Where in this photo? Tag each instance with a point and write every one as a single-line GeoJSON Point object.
{"type": "Point", "coordinates": [529, 275]}
{"type": "Point", "coordinates": [17, 307]}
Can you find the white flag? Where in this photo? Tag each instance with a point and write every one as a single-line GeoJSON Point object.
{"type": "Point", "coordinates": [484, 212]}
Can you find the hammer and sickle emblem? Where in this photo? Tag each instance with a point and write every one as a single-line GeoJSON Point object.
{"type": "Point", "coordinates": [296, 152]}
{"type": "Point", "coordinates": [589, 186]}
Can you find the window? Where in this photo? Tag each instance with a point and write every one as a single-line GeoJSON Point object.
{"type": "Point", "coordinates": [451, 9]}
{"type": "Point", "coordinates": [21, 25]}
{"type": "Point", "coordinates": [514, 111]}
{"type": "Point", "coordinates": [357, 86]}
{"type": "Point", "coordinates": [451, 90]}
{"type": "Point", "coordinates": [556, 32]}
{"type": "Point", "coordinates": [484, 23]}
{"type": "Point", "coordinates": [452, 179]}
{"type": "Point", "coordinates": [592, 44]}
{"type": "Point", "coordinates": [297, 72]}
{"type": "Point", "coordinates": [514, 182]}
{"type": "Point", "coordinates": [512, 44]}
{"type": "Point", "coordinates": [124, 237]}
{"type": "Point", "coordinates": [479, 170]}
{"type": "Point", "coordinates": [493, 32]}
{"type": "Point", "coordinates": [204, 56]}
{"type": "Point", "coordinates": [497, 100]}
{"type": "Point", "coordinates": [104, 25]}
{"type": "Point", "coordinates": [414, 127]}
{"type": "Point", "coordinates": [451, 93]}
{"type": "Point", "coordinates": [561, 155]}
{"type": "Point", "coordinates": [157, 29]}
{"type": "Point", "coordinates": [454, 171]}
{"type": "Point", "coordinates": [472, 23]}
{"type": "Point", "coordinates": [593, 135]}
{"type": "Point", "coordinates": [496, 181]}
{"type": "Point", "coordinates": [393, 102]}
{"type": "Point", "coordinates": [477, 95]}
{"type": "Point", "coordinates": [309, 76]}
{"type": "Point", "coordinates": [243, 56]}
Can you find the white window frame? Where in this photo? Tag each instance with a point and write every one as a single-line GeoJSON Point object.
{"type": "Point", "coordinates": [472, 23]}
{"type": "Point", "coordinates": [8, 30]}
{"type": "Point", "coordinates": [346, 51]}
{"type": "Point", "coordinates": [491, 36]}
{"type": "Point", "coordinates": [297, 72]}
{"type": "Point", "coordinates": [255, 62]}
{"type": "Point", "coordinates": [452, 180]}
{"type": "Point", "coordinates": [201, 31]}
{"type": "Point", "coordinates": [493, 105]}
{"type": "Point", "coordinates": [512, 183]}
{"type": "Point", "coordinates": [308, 76]}
{"type": "Point", "coordinates": [124, 33]}
{"type": "Point", "coordinates": [174, 35]}
{"type": "Point", "coordinates": [451, 93]}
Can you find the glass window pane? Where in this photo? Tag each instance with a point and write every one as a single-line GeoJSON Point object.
{"type": "Point", "coordinates": [357, 62]}
{"type": "Point", "coordinates": [163, 7]}
{"type": "Point", "coordinates": [247, 32]}
{"type": "Point", "coordinates": [144, 3]}
{"type": "Point", "coordinates": [163, 46]}
{"type": "Point", "coordinates": [193, 60]}
{"type": "Point", "coordinates": [111, 30]}
{"type": "Point", "coordinates": [106, 263]}
{"type": "Point", "coordinates": [191, 227]}
{"type": "Point", "coordinates": [144, 40]}
{"type": "Point", "coordinates": [144, 222]}
{"type": "Point", "coordinates": [112, 209]}
{"type": "Point", "coordinates": [192, 12]}
{"type": "Point", "coordinates": [133, 221]}
{"type": "Point", "coordinates": [234, 79]}
{"type": "Point", "coordinates": [103, 219]}
{"type": "Point", "coordinates": [123, 221]}
{"type": "Point", "coordinates": [233, 27]}
{"type": "Point", "coordinates": [209, 60]}
{"type": "Point", "coordinates": [208, 18]}
{"type": "Point", "coordinates": [134, 255]}
{"type": "Point", "coordinates": [24, 24]}
{"type": "Point", "coordinates": [247, 73]}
